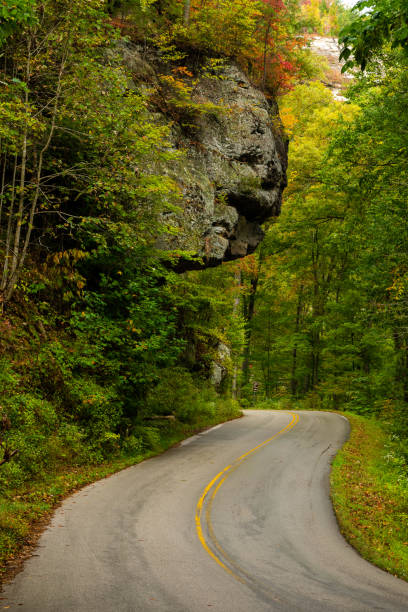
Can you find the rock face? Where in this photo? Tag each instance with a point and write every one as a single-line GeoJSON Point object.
{"type": "Point", "coordinates": [233, 172]}
{"type": "Point", "coordinates": [220, 364]}
{"type": "Point", "coordinates": [334, 79]}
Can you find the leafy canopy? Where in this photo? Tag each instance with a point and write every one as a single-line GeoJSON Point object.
{"type": "Point", "coordinates": [375, 24]}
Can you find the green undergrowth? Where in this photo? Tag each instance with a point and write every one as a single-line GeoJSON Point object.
{"type": "Point", "coordinates": [369, 487]}
{"type": "Point", "coordinates": [23, 509]}
{"type": "Point", "coordinates": [270, 404]}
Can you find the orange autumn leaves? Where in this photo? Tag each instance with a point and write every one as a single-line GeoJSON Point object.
{"type": "Point", "coordinates": [261, 34]}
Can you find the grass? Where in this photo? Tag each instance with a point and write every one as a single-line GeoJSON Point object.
{"type": "Point", "coordinates": [370, 496]}
{"type": "Point", "coordinates": [25, 511]}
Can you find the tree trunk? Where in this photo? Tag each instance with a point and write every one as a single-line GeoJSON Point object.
{"type": "Point", "coordinates": [234, 386]}
{"type": "Point", "coordinates": [293, 381]}
{"type": "Point", "coordinates": [248, 329]}
{"type": "Point", "coordinates": [9, 233]}
{"type": "Point", "coordinates": [19, 259]}
{"type": "Point", "coordinates": [265, 53]}
{"type": "Point", "coordinates": [268, 360]}
{"type": "Point", "coordinates": [3, 183]}
{"type": "Point", "coordinates": [249, 314]}
{"type": "Point", "coordinates": [186, 12]}
{"type": "Point", "coordinates": [17, 233]}
{"type": "Point", "coordinates": [318, 310]}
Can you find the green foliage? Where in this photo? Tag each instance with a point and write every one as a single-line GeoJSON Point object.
{"type": "Point", "coordinates": [175, 395]}
{"type": "Point", "coordinates": [175, 93]}
{"type": "Point", "coordinates": [107, 353]}
{"type": "Point", "coordinates": [375, 24]}
{"type": "Point", "coordinates": [225, 27]}
{"type": "Point", "coordinates": [330, 317]}
{"type": "Point", "coordinates": [264, 36]}
{"type": "Point", "coordinates": [325, 17]}
{"type": "Point", "coordinates": [16, 15]}
{"type": "Point", "coordinates": [32, 420]}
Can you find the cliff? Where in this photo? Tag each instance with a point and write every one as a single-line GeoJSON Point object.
{"type": "Point", "coordinates": [233, 171]}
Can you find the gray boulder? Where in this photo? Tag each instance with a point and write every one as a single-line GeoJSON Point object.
{"type": "Point", "coordinates": [233, 172]}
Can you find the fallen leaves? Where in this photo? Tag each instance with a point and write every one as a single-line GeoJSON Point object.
{"type": "Point", "coordinates": [368, 502]}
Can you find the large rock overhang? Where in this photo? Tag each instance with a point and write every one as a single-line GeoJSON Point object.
{"type": "Point", "coordinates": [231, 174]}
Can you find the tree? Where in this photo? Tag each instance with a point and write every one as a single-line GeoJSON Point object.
{"type": "Point", "coordinates": [375, 23]}
{"type": "Point", "coordinates": [66, 145]}
{"type": "Point", "coordinates": [187, 12]}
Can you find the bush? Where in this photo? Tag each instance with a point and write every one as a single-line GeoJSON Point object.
{"type": "Point", "coordinates": [175, 394]}
{"type": "Point", "coordinates": [32, 422]}
{"type": "Point", "coordinates": [228, 408]}
{"type": "Point", "coordinates": [99, 412]}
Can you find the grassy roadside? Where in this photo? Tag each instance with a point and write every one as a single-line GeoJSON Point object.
{"type": "Point", "coordinates": [24, 512]}
{"type": "Point", "coordinates": [369, 489]}
{"type": "Point", "coordinates": [370, 496]}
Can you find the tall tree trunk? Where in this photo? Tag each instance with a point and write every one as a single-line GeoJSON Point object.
{"type": "Point", "coordinates": [187, 12]}
{"type": "Point", "coordinates": [3, 184]}
{"type": "Point", "coordinates": [401, 369]}
{"type": "Point", "coordinates": [265, 54]}
{"type": "Point", "coordinates": [23, 168]}
{"type": "Point", "coordinates": [234, 386]}
{"type": "Point", "coordinates": [248, 329]}
{"type": "Point", "coordinates": [9, 232]}
{"type": "Point", "coordinates": [268, 360]}
{"type": "Point", "coordinates": [19, 258]}
{"type": "Point", "coordinates": [249, 315]}
{"type": "Point", "coordinates": [293, 380]}
{"type": "Point", "coordinates": [317, 312]}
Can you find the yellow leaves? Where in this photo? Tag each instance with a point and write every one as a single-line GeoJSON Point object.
{"type": "Point", "coordinates": [167, 78]}
{"type": "Point", "coordinates": [70, 256]}
{"type": "Point", "coordinates": [132, 328]}
{"type": "Point", "coordinates": [399, 285]}
{"type": "Point", "coordinates": [289, 120]}
{"type": "Point", "coordinates": [182, 70]}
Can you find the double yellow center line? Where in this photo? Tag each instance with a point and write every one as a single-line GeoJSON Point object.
{"type": "Point", "coordinates": [203, 510]}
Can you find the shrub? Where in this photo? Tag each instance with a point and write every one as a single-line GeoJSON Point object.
{"type": "Point", "coordinates": [175, 394]}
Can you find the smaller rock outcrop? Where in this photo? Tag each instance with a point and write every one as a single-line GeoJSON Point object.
{"type": "Point", "coordinates": [219, 368]}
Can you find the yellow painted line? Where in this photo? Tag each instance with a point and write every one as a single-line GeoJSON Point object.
{"type": "Point", "coordinates": [225, 473]}
{"type": "Point", "coordinates": [200, 534]}
{"type": "Point", "coordinates": [212, 535]}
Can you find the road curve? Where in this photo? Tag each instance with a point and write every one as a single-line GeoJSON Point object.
{"type": "Point", "coordinates": [237, 519]}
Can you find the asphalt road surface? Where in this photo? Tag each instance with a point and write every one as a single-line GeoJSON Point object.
{"type": "Point", "coordinates": [237, 519]}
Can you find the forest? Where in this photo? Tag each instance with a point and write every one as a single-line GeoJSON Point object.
{"type": "Point", "coordinates": [119, 336]}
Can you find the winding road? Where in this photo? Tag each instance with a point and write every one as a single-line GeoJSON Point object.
{"type": "Point", "coordinates": [236, 519]}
